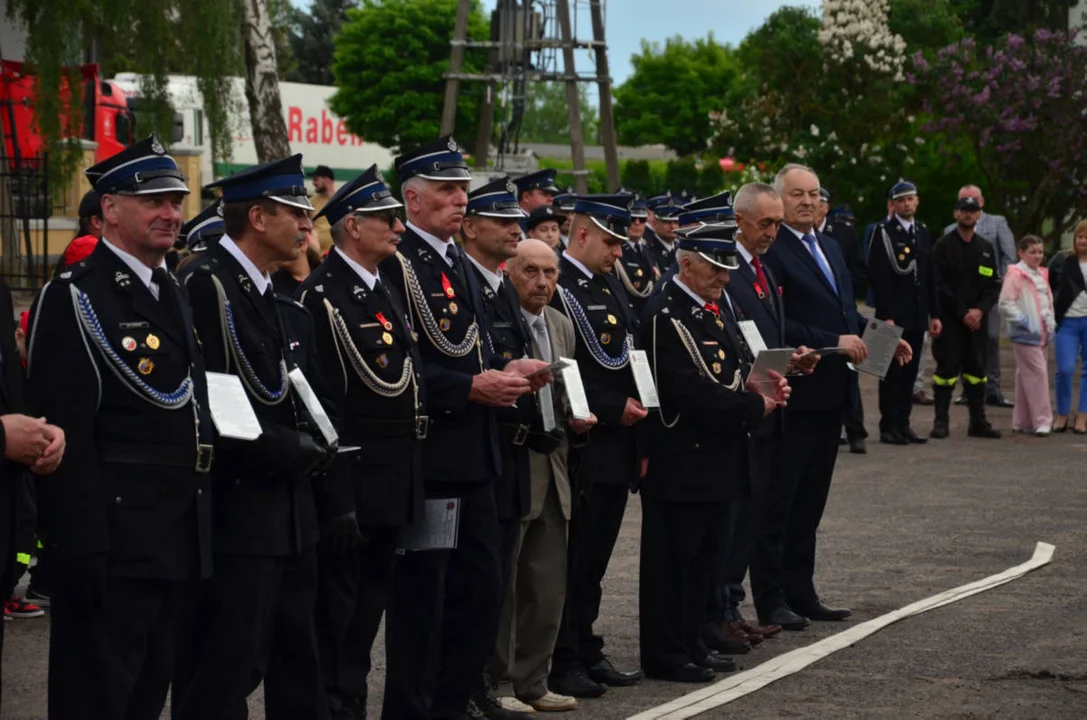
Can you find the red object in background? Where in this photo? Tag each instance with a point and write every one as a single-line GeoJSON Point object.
{"type": "Point", "coordinates": [24, 320]}
{"type": "Point", "coordinates": [107, 119]}
{"type": "Point", "coordinates": [79, 248]}
{"type": "Point", "coordinates": [729, 164]}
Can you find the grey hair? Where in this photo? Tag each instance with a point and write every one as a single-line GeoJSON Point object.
{"type": "Point", "coordinates": [690, 254]}
{"type": "Point", "coordinates": [779, 179]}
{"type": "Point", "coordinates": [747, 195]}
{"type": "Point", "coordinates": [970, 187]}
{"type": "Point", "coordinates": [339, 231]}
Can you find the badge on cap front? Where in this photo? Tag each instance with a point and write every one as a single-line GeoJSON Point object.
{"type": "Point", "coordinates": [452, 144]}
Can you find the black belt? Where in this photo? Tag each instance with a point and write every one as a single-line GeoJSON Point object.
{"type": "Point", "coordinates": [415, 428]}
{"type": "Point", "coordinates": [515, 434]}
{"type": "Point", "coordinates": [199, 457]}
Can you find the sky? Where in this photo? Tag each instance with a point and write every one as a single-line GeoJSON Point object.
{"type": "Point", "coordinates": [628, 22]}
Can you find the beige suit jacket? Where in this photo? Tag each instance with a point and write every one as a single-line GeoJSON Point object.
{"type": "Point", "coordinates": [547, 468]}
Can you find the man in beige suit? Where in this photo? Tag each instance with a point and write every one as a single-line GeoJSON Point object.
{"type": "Point", "coordinates": [537, 588]}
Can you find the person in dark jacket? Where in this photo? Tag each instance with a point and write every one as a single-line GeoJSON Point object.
{"type": "Point", "coordinates": [1070, 308]}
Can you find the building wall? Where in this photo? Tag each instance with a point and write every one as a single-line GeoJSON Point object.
{"type": "Point", "coordinates": [12, 36]}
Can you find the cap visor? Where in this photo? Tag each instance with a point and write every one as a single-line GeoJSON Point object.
{"type": "Point", "coordinates": [512, 213]}
{"type": "Point", "coordinates": [298, 201]}
{"type": "Point", "coordinates": [446, 174]}
{"type": "Point", "coordinates": [385, 203]}
{"type": "Point", "coordinates": [728, 262]}
{"type": "Point", "coordinates": [609, 230]}
{"type": "Point", "coordinates": [159, 186]}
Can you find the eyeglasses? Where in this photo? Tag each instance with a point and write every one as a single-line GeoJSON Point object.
{"type": "Point", "coordinates": [637, 220]}
{"type": "Point", "coordinates": [389, 216]}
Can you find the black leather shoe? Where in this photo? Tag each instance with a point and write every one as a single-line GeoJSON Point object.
{"type": "Point", "coordinates": [784, 617]}
{"type": "Point", "coordinates": [605, 673]}
{"type": "Point", "coordinates": [892, 437]}
{"type": "Point", "coordinates": [717, 662]}
{"type": "Point", "coordinates": [998, 400]}
{"type": "Point", "coordinates": [821, 612]}
{"type": "Point", "coordinates": [983, 430]}
{"type": "Point", "coordinates": [689, 673]}
{"type": "Point", "coordinates": [576, 683]}
{"type": "Point", "coordinates": [858, 446]}
{"type": "Point", "coordinates": [913, 437]}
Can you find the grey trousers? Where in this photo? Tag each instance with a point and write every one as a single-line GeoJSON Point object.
{"type": "Point", "coordinates": [534, 600]}
{"type": "Point", "coordinates": [919, 381]}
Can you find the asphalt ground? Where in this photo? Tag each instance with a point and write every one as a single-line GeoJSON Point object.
{"type": "Point", "coordinates": [902, 524]}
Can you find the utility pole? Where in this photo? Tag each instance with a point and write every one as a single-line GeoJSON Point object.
{"type": "Point", "coordinates": [456, 63]}
{"type": "Point", "coordinates": [573, 101]}
{"type": "Point", "coordinates": [603, 80]}
{"type": "Point", "coordinates": [486, 124]}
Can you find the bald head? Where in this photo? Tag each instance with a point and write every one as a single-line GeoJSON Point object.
{"type": "Point", "coordinates": [534, 271]}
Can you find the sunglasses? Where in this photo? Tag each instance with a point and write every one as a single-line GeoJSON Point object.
{"type": "Point", "coordinates": [389, 216]}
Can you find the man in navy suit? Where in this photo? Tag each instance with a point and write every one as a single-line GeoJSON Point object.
{"type": "Point", "coordinates": [820, 312]}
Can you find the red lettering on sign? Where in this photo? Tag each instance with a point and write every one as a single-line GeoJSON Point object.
{"type": "Point", "coordinates": [311, 130]}
{"type": "Point", "coordinates": [326, 129]}
{"type": "Point", "coordinates": [341, 133]}
{"type": "Point", "coordinates": [294, 124]}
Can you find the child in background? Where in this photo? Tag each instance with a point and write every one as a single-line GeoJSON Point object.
{"type": "Point", "coordinates": [1026, 305]}
{"type": "Point", "coordinates": [543, 224]}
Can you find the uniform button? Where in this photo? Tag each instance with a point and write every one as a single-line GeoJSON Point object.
{"type": "Point", "coordinates": [237, 481]}
{"type": "Point", "coordinates": [199, 491]}
{"type": "Point", "coordinates": [117, 499]}
{"type": "Point", "coordinates": [697, 446]}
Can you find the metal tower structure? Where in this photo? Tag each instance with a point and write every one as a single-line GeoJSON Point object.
{"type": "Point", "coordinates": [530, 40]}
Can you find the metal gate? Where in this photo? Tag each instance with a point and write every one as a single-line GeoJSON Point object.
{"type": "Point", "coordinates": [25, 207]}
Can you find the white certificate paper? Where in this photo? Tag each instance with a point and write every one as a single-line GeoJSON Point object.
{"type": "Point", "coordinates": [776, 360]}
{"type": "Point", "coordinates": [752, 336]}
{"type": "Point", "coordinates": [546, 398]}
{"type": "Point", "coordinates": [437, 530]}
{"type": "Point", "coordinates": [313, 405]}
{"type": "Point", "coordinates": [231, 411]}
{"type": "Point", "coordinates": [575, 390]}
{"type": "Point", "coordinates": [643, 379]}
{"type": "Point", "coordinates": [882, 341]}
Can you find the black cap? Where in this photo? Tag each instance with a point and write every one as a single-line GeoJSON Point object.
{"type": "Point", "coordinates": [91, 205]}
{"type": "Point", "coordinates": [140, 169]}
{"type": "Point", "coordinates": [714, 209]}
{"type": "Point", "coordinates": [539, 180]}
{"type": "Point", "coordinates": [496, 199]}
{"type": "Point", "coordinates": [715, 243]}
{"type": "Point", "coordinates": [542, 214]}
{"type": "Point", "coordinates": [824, 194]}
{"type": "Point", "coordinates": [610, 213]}
{"type": "Point", "coordinates": [204, 228]}
{"type": "Point", "coordinates": [365, 194]}
{"type": "Point", "coordinates": [279, 180]}
{"type": "Point", "coordinates": [437, 160]}
{"type": "Point", "coordinates": [323, 171]}
{"type": "Point", "coordinates": [970, 204]}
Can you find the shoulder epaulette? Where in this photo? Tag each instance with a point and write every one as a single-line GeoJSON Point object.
{"type": "Point", "coordinates": [74, 272]}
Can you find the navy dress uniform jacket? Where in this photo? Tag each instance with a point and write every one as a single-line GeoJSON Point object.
{"type": "Point", "coordinates": [129, 484]}
{"type": "Point", "coordinates": [901, 277]}
{"type": "Point", "coordinates": [699, 441]}
{"type": "Point", "coordinates": [815, 316]}
{"type": "Point", "coordinates": [386, 473]}
{"type": "Point", "coordinates": [260, 507]}
{"type": "Point", "coordinates": [462, 443]}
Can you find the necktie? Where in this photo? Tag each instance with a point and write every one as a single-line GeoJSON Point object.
{"type": "Point", "coordinates": [809, 240]}
{"type": "Point", "coordinates": [760, 276]}
{"type": "Point", "coordinates": [713, 308]}
{"type": "Point", "coordinates": [161, 277]}
{"type": "Point", "coordinates": [453, 254]}
{"type": "Point", "coordinates": [543, 341]}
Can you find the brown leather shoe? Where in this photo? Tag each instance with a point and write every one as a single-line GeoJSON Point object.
{"type": "Point", "coordinates": [760, 630]}
{"type": "Point", "coordinates": [736, 641]}
{"type": "Point", "coordinates": [923, 398]}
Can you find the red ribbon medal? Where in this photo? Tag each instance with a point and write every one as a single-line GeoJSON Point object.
{"type": "Point", "coordinates": [384, 323]}
{"type": "Point", "coordinates": [758, 290]}
{"type": "Point", "coordinates": [448, 287]}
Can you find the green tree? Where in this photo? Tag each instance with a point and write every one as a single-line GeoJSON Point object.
{"type": "Point", "coordinates": [390, 61]}
{"type": "Point", "coordinates": [637, 176]}
{"type": "Point", "coordinates": [682, 174]}
{"type": "Point", "coordinates": [547, 118]}
{"type": "Point", "coordinates": [926, 24]}
{"type": "Point", "coordinates": [311, 38]}
{"type": "Point", "coordinates": [672, 91]}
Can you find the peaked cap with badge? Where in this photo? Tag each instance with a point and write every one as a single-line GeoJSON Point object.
{"type": "Point", "coordinates": [205, 228]}
{"type": "Point", "coordinates": [280, 180]}
{"type": "Point", "coordinates": [140, 169]}
{"type": "Point", "coordinates": [367, 193]}
{"type": "Point", "coordinates": [438, 160]}
{"type": "Point", "coordinates": [539, 180]}
{"type": "Point", "coordinates": [610, 213]}
{"type": "Point", "coordinates": [564, 201]}
{"type": "Point", "coordinates": [541, 215]}
{"type": "Point", "coordinates": [901, 189]}
{"type": "Point", "coordinates": [714, 209]}
{"type": "Point", "coordinates": [715, 243]}
{"type": "Point", "coordinates": [496, 199]}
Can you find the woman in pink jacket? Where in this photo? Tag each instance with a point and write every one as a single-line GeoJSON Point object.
{"type": "Point", "coordinates": [1026, 305]}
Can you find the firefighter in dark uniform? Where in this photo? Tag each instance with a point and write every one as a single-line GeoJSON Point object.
{"type": "Point", "coordinates": [968, 286]}
{"type": "Point", "coordinates": [273, 498]}
{"type": "Point", "coordinates": [489, 236]}
{"type": "Point", "coordinates": [635, 270]}
{"type": "Point", "coordinates": [660, 243]}
{"type": "Point", "coordinates": [900, 273]}
{"type": "Point", "coordinates": [697, 452]}
{"type": "Point", "coordinates": [116, 364]}
{"type": "Point", "coordinates": [443, 617]}
{"type": "Point", "coordinates": [607, 467]}
{"type": "Point", "coordinates": [371, 366]}
{"type": "Point", "coordinates": [535, 189]}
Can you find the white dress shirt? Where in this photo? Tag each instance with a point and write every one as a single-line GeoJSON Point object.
{"type": "Point", "coordinates": [493, 279]}
{"type": "Point", "coordinates": [440, 246]}
{"type": "Point", "coordinates": [142, 271]}
{"type": "Point", "coordinates": [367, 277]}
{"type": "Point", "coordinates": [576, 263]}
{"type": "Point", "coordinates": [262, 281]}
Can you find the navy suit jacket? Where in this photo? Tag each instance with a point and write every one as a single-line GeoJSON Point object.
{"type": "Point", "coordinates": [768, 312]}
{"type": "Point", "coordinates": [816, 314]}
